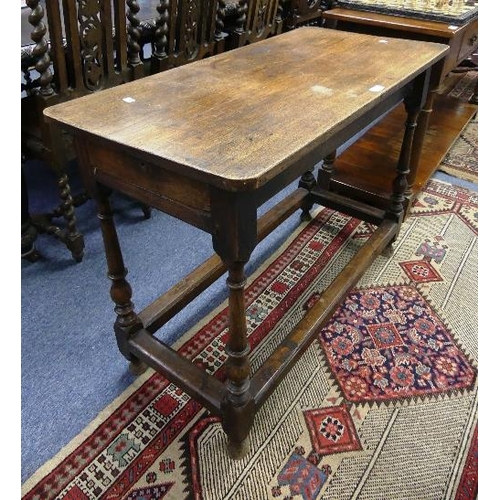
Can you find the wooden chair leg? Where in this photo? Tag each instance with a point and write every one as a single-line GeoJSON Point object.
{"type": "Point", "coordinates": [28, 230]}
{"type": "Point", "coordinates": [68, 235]}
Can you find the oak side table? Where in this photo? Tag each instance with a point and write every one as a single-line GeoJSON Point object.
{"type": "Point", "coordinates": [211, 141]}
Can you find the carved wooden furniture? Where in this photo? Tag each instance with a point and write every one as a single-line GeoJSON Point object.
{"type": "Point", "coordinates": [220, 155]}
{"type": "Point", "coordinates": [441, 121]}
{"type": "Point", "coordinates": [84, 46]}
{"type": "Point", "coordinates": [304, 12]}
{"type": "Point", "coordinates": [247, 21]}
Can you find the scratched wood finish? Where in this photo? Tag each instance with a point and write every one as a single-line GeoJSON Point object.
{"type": "Point", "coordinates": [215, 131]}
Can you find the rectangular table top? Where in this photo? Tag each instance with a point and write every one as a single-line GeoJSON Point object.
{"type": "Point", "coordinates": [238, 119]}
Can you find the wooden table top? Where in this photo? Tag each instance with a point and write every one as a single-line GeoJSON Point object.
{"type": "Point", "coordinates": [238, 119]}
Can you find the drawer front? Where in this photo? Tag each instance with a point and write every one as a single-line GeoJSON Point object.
{"type": "Point", "coordinates": [168, 191]}
{"type": "Point", "coordinates": [469, 41]}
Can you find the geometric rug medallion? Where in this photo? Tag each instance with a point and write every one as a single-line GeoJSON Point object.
{"type": "Point", "coordinates": [420, 271]}
{"type": "Point", "coordinates": [387, 343]}
{"type": "Point", "coordinates": [332, 430]}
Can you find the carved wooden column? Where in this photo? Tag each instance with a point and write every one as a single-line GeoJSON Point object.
{"type": "Point", "coordinates": [41, 49]}
{"type": "Point", "coordinates": [159, 60]}
{"type": "Point", "coordinates": [260, 17]}
{"type": "Point", "coordinates": [68, 209]}
{"type": "Point", "coordinates": [219, 34]}
{"type": "Point", "coordinates": [279, 19]}
{"type": "Point", "coordinates": [70, 236]}
{"type": "Point", "coordinates": [191, 27]}
{"type": "Point", "coordinates": [241, 24]}
{"type": "Point", "coordinates": [133, 40]}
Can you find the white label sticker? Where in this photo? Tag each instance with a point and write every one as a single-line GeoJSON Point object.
{"type": "Point", "coordinates": [128, 99]}
{"type": "Point", "coordinates": [383, 41]}
{"type": "Point", "coordinates": [322, 90]}
{"type": "Point", "coordinates": [377, 88]}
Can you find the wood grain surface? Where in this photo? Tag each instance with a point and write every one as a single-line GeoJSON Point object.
{"type": "Point", "coordinates": [240, 118]}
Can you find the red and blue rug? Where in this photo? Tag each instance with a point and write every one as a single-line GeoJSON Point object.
{"type": "Point", "coordinates": [383, 405]}
{"type": "Point", "coordinates": [462, 159]}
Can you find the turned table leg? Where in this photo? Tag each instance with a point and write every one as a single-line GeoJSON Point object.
{"type": "Point", "coordinates": [418, 142]}
{"type": "Point", "coordinates": [127, 322]}
{"type": "Point", "coordinates": [420, 131]}
{"type": "Point", "coordinates": [326, 170]}
{"type": "Point", "coordinates": [234, 237]}
{"type": "Point", "coordinates": [238, 407]}
{"type": "Point", "coordinates": [398, 200]}
{"type": "Point", "coordinates": [307, 181]}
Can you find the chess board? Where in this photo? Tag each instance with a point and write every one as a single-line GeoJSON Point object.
{"type": "Point", "coordinates": [446, 11]}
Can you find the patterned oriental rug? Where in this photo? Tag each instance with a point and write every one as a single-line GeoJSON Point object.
{"type": "Point", "coordinates": [383, 405]}
{"type": "Point", "coordinates": [462, 159]}
{"type": "Point", "coordinates": [461, 85]}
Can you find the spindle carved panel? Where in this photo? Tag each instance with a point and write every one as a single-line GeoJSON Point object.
{"type": "Point", "coordinates": [191, 26]}
{"type": "Point", "coordinates": [260, 17]}
{"type": "Point", "coordinates": [253, 20]}
{"type": "Point", "coordinates": [90, 28]}
{"type": "Point", "coordinates": [305, 12]}
{"type": "Point", "coordinates": [192, 30]}
{"type": "Point", "coordinates": [83, 46]}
